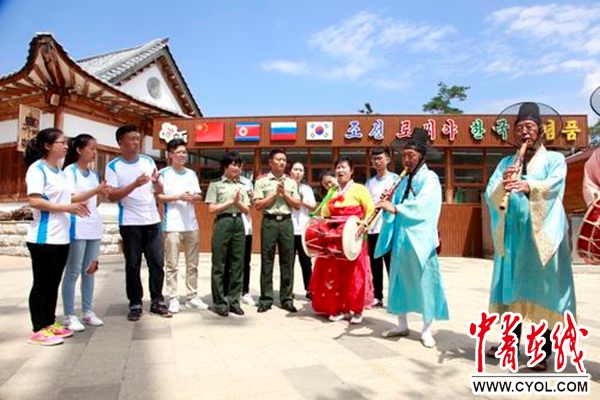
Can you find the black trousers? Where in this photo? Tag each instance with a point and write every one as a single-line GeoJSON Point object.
{"type": "Point", "coordinates": [146, 240]}
{"type": "Point", "coordinates": [48, 263]}
{"type": "Point", "coordinates": [377, 266]}
{"type": "Point", "coordinates": [247, 256]}
{"type": "Point", "coordinates": [547, 347]}
{"type": "Point", "coordinates": [305, 261]}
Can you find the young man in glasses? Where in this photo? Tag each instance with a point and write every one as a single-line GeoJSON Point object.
{"type": "Point", "coordinates": [181, 191]}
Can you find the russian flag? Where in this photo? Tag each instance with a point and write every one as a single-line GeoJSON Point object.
{"type": "Point", "coordinates": [247, 132]}
{"type": "Point", "coordinates": [283, 131]}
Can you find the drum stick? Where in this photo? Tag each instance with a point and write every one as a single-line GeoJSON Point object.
{"type": "Point", "coordinates": [327, 197]}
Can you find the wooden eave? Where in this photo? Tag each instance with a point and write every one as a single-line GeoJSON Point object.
{"type": "Point", "coordinates": [49, 70]}
{"type": "Point", "coordinates": [172, 74]}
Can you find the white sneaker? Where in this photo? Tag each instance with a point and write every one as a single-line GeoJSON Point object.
{"type": "Point", "coordinates": [337, 317]}
{"type": "Point", "coordinates": [195, 302]}
{"type": "Point", "coordinates": [90, 318]}
{"type": "Point", "coordinates": [427, 340]}
{"type": "Point", "coordinates": [73, 323]}
{"type": "Point", "coordinates": [356, 319]}
{"type": "Point", "coordinates": [174, 305]}
{"type": "Point", "coordinates": [247, 299]}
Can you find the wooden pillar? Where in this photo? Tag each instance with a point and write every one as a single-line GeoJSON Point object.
{"type": "Point", "coordinates": [449, 177]}
{"type": "Point", "coordinates": [256, 164]}
{"type": "Point", "coordinates": [59, 118]}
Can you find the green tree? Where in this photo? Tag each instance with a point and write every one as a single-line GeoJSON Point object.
{"type": "Point", "coordinates": [440, 104]}
{"type": "Point", "coordinates": [594, 134]}
{"type": "Point", "coordinates": [367, 110]}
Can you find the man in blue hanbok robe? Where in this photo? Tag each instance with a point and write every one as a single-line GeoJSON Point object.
{"type": "Point", "coordinates": [532, 263]}
{"type": "Point", "coordinates": [409, 230]}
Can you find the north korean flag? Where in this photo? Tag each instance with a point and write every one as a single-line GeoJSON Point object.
{"type": "Point", "coordinates": [209, 132]}
{"type": "Point", "coordinates": [247, 132]}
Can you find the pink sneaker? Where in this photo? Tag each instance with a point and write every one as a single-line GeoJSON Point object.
{"type": "Point", "coordinates": [44, 337]}
{"type": "Point", "coordinates": [60, 331]}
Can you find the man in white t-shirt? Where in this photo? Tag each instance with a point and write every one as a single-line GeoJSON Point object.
{"type": "Point", "coordinates": [181, 191]}
{"type": "Point", "coordinates": [135, 181]}
{"type": "Point", "coordinates": [384, 179]}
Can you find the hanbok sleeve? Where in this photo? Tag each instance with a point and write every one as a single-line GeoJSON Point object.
{"type": "Point", "coordinates": [419, 216]}
{"type": "Point", "coordinates": [493, 196]}
{"type": "Point", "coordinates": [548, 220]}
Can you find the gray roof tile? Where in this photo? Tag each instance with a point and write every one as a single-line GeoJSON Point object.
{"type": "Point", "coordinates": [115, 65]}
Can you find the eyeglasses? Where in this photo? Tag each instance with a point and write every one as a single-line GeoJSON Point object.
{"type": "Point", "coordinates": [60, 142]}
{"type": "Point", "coordinates": [526, 128]}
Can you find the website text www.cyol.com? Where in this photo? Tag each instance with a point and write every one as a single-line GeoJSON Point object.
{"type": "Point", "coordinates": [564, 343]}
{"type": "Point", "coordinates": [485, 384]}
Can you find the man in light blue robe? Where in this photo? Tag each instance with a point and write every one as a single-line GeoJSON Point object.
{"type": "Point", "coordinates": [532, 263]}
{"type": "Point", "coordinates": [410, 230]}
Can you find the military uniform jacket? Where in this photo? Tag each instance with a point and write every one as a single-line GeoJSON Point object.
{"type": "Point", "coordinates": [267, 184]}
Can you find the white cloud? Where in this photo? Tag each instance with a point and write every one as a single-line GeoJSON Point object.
{"type": "Point", "coordinates": [353, 37]}
{"type": "Point", "coordinates": [569, 26]}
{"type": "Point", "coordinates": [362, 48]}
{"type": "Point", "coordinates": [388, 84]}
{"type": "Point", "coordinates": [288, 67]}
{"type": "Point", "coordinates": [591, 81]}
{"type": "Point", "coordinates": [544, 40]}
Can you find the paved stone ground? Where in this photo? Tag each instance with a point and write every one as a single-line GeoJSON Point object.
{"type": "Point", "coordinates": [276, 355]}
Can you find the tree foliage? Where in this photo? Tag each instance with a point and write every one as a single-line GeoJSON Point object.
{"type": "Point", "coordinates": [440, 104]}
{"type": "Point", "coordinates": [367, 110]}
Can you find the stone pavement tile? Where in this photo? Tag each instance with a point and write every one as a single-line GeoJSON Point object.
{"type": "Point", "coordinates": [9, 367]}
{"type": "Point", "coordinates": [197, 354]}
{"type": "Point", "coordinates": [33, 383]}
{"type": "Point", "coordinates": [117, 310]}
{"type": "Point", "coordinates": [150, 330]}
{"type": "Point", "coordinates": [364, 347]}
{"type": "Point", "coordinates": [45, 358]}
{"type": "Point", "coordinates": [319, 382]}
{"type": "Point", "coordinates": [149, 382]}
{"type": "Point", "coordinates": [91, 392]}
{"type": "Point", "coordinates": [153, 352]}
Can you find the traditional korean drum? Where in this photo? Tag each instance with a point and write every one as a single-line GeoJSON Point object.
{"type": "Point", "coordinates": [332, 238]}
{"type": "Point", "coordinates": [588, 239]}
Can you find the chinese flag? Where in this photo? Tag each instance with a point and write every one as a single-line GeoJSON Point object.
{"type": "Point", "coordinates": [209, 132]}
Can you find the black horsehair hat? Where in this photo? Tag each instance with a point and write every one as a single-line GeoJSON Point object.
{"type": "Point", "coordinates": [529, 112]}
{"type": "Point", "coordinates": [418, 141]}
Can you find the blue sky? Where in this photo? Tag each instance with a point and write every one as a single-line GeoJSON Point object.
{"type": "Point", "coordinates": [329, 57]}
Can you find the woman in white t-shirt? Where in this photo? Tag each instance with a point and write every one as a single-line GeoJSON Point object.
{"type": "Point", "coordinates": [300, 217]}
{"type": "Point", "coordinates": [85, 233]}
{"type": "Point", "coordinates": [48, 234]}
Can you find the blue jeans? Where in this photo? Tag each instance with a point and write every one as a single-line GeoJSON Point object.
{"type": "Point", "coordinates": [81, 254]}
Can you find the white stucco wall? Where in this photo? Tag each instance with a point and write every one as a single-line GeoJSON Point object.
{"type": "Point", "coordinates": [137, 87]}
{"type": "Point", "coordinates": [9, 128]}
{"type": "Point", "coordinates": [8, 131]}
{"type": "Point", "coordinates": [148, 147]}
{"type": "Point", "coordinates": [104, 133]}
{"type": "Point", "coordinates": [47, 120]}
